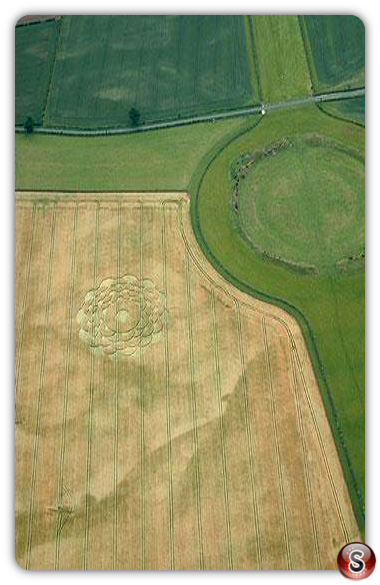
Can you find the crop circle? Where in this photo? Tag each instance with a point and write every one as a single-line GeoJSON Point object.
{"type": "Point", "coordinates": [122, 315]}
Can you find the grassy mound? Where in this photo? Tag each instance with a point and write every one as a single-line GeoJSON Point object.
{"type": "Point", "coordinates": [304, 203]}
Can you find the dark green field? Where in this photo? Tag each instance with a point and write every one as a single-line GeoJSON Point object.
{"type": "Point", "coordinates": [352, 110]}
{"type": "Point", "coordinates": [34, 54]}
{"type": "Point", "coordinates": [166, 67]}
{"type": "Point", "coordinates": [335, 46]}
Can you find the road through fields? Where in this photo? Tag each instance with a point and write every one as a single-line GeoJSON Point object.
{"type": "Point", "coordinates": [315, 99]}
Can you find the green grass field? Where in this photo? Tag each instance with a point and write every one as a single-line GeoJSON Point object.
{"type": "Point", "coordinates": [34, 55]}
{"type": "Point", "coordinates": [165, 66]}
{"type": "Point", "coordinates": [352, 110]}
{"type": "Point", "coordinates": [287, 215]}
{"type": "Point", "coordinates": [283, 68]}
{"type": "Point", "coordinates": [335, 46]}
{"type": "Point", "coordinates": [329, 307]}
{"type": "Point", "coordinates": [117, 162]}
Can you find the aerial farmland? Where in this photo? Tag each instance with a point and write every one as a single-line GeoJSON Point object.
{"type": "Point", "coordinates": [189, 291]}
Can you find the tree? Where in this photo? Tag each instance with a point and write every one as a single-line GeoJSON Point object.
{"type": "Point", "coordinates": [29, 125]}
{"type": "Point", "coordinates": [134, 116]}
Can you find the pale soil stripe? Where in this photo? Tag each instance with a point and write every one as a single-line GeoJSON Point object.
{"type": "Point", "coordinates": [248, 417]}
{"type": "Point", "coordinates": [275, 431]}
{"type": "Point", "coordinates": [90, 404]}
{"type": "Point", "coordinates": [222, 434]}
{"type": "Point", "coordinates": [305, 462]}
{"type": "Point", "coordinates": [39, 397]}
{"type": "Point", "coordinates": [167, 386]}
{"type": "Point", "coordinates": [194, 412]}
{"type": "Point", "coordinates": [141, 390]}
{"type": "Point", "coordinates": [69, 304]}
{"type": "Point", "coordinates": [26, 288]}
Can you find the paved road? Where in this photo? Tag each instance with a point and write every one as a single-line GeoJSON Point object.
{"type": "Point", "coordinates": [326, 97]}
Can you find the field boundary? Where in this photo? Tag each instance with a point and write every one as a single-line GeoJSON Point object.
{"type": "Point", "coordinates": [307, 332]}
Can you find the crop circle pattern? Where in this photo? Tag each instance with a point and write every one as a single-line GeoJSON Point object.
{"type": "Point", "coordinates": [122, 315]}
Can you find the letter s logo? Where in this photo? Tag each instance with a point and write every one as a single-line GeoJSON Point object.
{"type": "Point", "coordinates": [356, 564]}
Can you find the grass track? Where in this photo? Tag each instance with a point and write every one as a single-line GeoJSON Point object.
{"type": "Point", "coordinates": [283, 69]}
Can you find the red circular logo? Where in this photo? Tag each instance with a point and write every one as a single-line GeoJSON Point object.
{"type": "Point", "coordinates": [356, 560]}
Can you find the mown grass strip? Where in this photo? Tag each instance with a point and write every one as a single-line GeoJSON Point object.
{"type": "Point", "coordinates": [283, 70]}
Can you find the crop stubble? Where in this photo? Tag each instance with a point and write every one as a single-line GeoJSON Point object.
{"type": "Point", "coordinates": [208, 448]}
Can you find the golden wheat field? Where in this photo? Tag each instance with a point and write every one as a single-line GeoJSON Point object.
{"type": "Point", "coordinates": [164, 420]}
